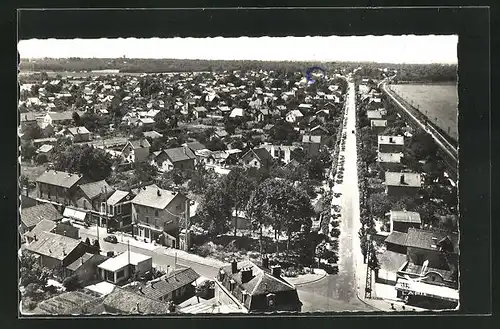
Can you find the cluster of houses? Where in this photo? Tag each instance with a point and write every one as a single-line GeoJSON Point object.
{"type": "Point", "coordinates": [418, 262]}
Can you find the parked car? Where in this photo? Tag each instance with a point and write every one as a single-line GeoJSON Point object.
{"type": "Point", "coordinates": [111, 239]}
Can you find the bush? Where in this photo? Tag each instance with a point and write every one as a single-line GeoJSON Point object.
{"type": "Point", "coordinates": [72, 283]}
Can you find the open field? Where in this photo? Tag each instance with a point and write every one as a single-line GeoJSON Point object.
{"type": "Point", "coordinates": [439, 102]}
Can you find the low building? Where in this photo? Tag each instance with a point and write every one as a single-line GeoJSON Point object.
{"type": "Point", "coordinates": [118, 209]}
{"type": "Point", "coordinates": [45, 149]}
{"type": "Point", "coordinates": [55, 250]}
{"type": "Point", "coordinates": [311, 144]}
{"type": "Point", "coordinates": [390, 161]}
{"type": "Point", "coordinates": [200, 112]}
{"type": "Point", "coordinates": [31, 216]}
{"type": "Point", "coordinates": [281, 152]}
{"type": "Point", "coordinates": [85, 267]}
{"type": "Point", "coordinates": [136, 150]}
{"type": "Point", "coordinates": [120, 268]}
{"type": "Point", "coordinates": [378, 126]}
{"type": "Point", "coordinates": [152, 134]}
{"type": "Point", "coordinates": [176, 286]}
{"type": "Point", "coordinates": [401, 221]}
{"type": "Point", "coordinates": [400, 184]}
{"type": "Point", "coordinates": [181, 158]}
{"type": "Point", "coordinates": [257, 158]}
{"type": "Point", "coordinates": [250, 288]}
{"type": "Point", "coordinates": [79, 134]}
{"type": "Point", "coordinates": [390, 144]}
{"type": "Point", "coordinates": [294, 116]}
{"type": "Point", "coordinates": [121, 301]}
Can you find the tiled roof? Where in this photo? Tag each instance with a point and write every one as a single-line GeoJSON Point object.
{"type": "Point", "coordinates": [410, 179]}
{"type": "Point", "coordinates": [33, 215]}
{"type": "Point", "coordinates": [391, 261]}
{"type": "Point", "coordinates": [94, 189]}
{"type": "Point", "coordinates": [179, 154]}
{"type": "Point", "coordinates": [80, 261]}
{"type": "Point", "coordinates": [169, 283]}
{"type": "Point", "coordinates": [195, 146]}
{"type": "Point", "coordinates": [389, 157]}
{"type": "Point", "coordinates": [397, 238]}
{"type": "Point", "coordinates": [429, 240]}
{"type": "Point", "coordinates": [261, 284]}
{"type": "Point", "coordinates": [261, 153]}
{"type": "Point", "coordinates": [152, 134]}
{"type": "Point", "coordinates": [59, 178]}
{"type": "Point", "coordinates": [53, 245]}
{"type": "Point", "coordinates": [405, 216]}
{"type": "Point", "coordinates": [45, 225]}
{"type": "Point", "coordinates": [149, 197]}
{"type": "Point", "coordinates": [126, 302]}
{"type": "Point", "coordinates": [61, 116]}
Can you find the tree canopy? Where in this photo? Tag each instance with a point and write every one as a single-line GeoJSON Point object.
{"type": "Point", "coordinates": [91, 162]}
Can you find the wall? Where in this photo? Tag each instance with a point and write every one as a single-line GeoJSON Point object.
{"type": "Point", "coordinates": [141, 154]}
{"type": "Point", "coordinates": [184, 165]}
{"type": "Point", "coordinates": [144, 266]}
{"type": "Point", "coordinates": [385, 277]}
{"type": "Point", "coordinates": [390, 148]}
{"type": "Point", "coordinates": [403, 226]}
{"type": "Point", "coordinates": [401, 190]}
{"type": "Point", "coordinates": [55, 193]}
{"type": "Point", "coordinates": [222, 298]}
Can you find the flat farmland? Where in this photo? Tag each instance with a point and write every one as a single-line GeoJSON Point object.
{"type": "Point", "coordinates": [439, 102]}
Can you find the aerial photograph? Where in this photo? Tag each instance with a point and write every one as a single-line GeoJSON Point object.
{"type": "Point", "coordinates": [252, 175]}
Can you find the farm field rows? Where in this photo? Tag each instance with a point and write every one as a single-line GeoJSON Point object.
{"type": "Point", "coordinates": [439, 102]}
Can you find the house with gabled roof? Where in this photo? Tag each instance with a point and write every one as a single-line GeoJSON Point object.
{"type": "Point", "coordinates": [136, 150]}
{"type": "Point", "coordinates": [89, 197]}
{"type": "Point", "coordinates": [257, 158]}
{"type": "Point", "coordinates": [31, 216]}
{"type": "Point", "coordinates": [402, 183]}
{"type": "Point", "coordinates": [250, 288]}
{"type": "Point", "coordinates": [178, 157]}
{"type": "Point", "coordinates": [79, 134]}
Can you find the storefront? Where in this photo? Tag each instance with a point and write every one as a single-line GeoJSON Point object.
{"type": "Point", "coordinates": [426, 295]}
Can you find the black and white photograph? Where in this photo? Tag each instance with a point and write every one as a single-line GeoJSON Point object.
{"type": "Point", "coordinates": [240, 175]}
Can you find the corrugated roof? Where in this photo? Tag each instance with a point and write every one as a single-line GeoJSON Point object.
{"type": "Point", "coordinates": [31, 216]}
{"type": "Point", "coordinates": [169, 283]}
{"type": "Point", "coordinates": [149, 197]}
{"type": "Point", "coordinates": [94, 189]}
{"type": "Point", "coordinates": [53, 245]}
{"type": "Point", "coordinates": [410, 179]}
{"type": "Point", "coordinates": [59, 178]}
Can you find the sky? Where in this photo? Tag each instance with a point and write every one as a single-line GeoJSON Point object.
{"type": "Point", "coordinates": [382, 49]}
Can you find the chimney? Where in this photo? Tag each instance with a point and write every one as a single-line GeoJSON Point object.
{"type": "Point", "coordinates": [137, 306]}
{"type": "Point", "coordinates": [34, 236]}
{"type": "Point", "coordinates": [81, 259]}
{"type": "Point", "coordinates": [158, 192]}
{"type": "Point", "coordinates": [276, 271]}
{"type": "Point", "coordinates": [402, 179]}
{"type": "Point", "coordinates": [234, 266]}
{"type": "Point", "coordinates": [265, 262]}
{"type": "Point", "coordinates": [246, 274]}
{"type": "Point", "coordinates": [391, 140]}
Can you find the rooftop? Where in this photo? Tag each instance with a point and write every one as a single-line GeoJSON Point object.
{"type": "Point", "coordinates": [409, 179]}
{"type": "Point", "coordinates": [179, 154]}
{"type": "Point", "coordinates": [149, 197]}
{"type": "Point", "coordinates": [123, 301]}
{"type": "Point", "coordinates": [405, 216]}
{"type": "Point", "coordinates": [169, 283]}
{"type": "Point", "coordinates": [59, 178]}
{"type": "Point", "coordinates": [392, 140]}
{"type": "Point", "coordinates": [115, 263]}
{"type": "Point", "coordinates": [94, 189]}
{"type": "Point", "coordinates": [116, 197]}
{"type": "Point", "coordinates": [311, 139]}
{"type": "Point", "coordinates": [53, 245]}
{"type": "Point", "coordinates": [389, 157]}
{"type": "Point", "coordinates": [78, 130]}
{"type": "Point", "coordinates": [374, 114]}
{"type": "Point", "coordinates": [379, 123]}
{"type": "Point", "coordinates": [430, 240]}
{"type": "Point", "coordinates": [397, 238]}
{"type": "Point", "coordinates": [31, 216]}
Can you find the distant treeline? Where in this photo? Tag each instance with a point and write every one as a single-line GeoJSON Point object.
{"type": "Point", "coordinates": [412, 72]}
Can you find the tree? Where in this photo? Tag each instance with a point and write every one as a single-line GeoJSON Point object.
{"type": "Point", "coordinates": [32, 132]}
{"type": "Point", "coordinates": [97, 246]}
{"type": "Point", "coordinates": [31, 271]}
{"type": "Point", "coordinates": [315, 168]}
{"type": "Point", "coordinates": [238, 188]}
{"type": "Point", "coordinates": [144, 171]}
{"type": "Point", "coordinates": [215, 209]}
{"type": "Point", "coordinates": [76, 119]}
{"type": "Point", "coordinates": [198, 182]}
{"type": "Point", "coordinates": [41, 159]}
{"type": "Point", "coordinates": [91, 162]}
{"type": "Point", "coordinates": [27, 150]}
{"type": "Point", "coordinates": [72, 283]}
{"type": "Point", "coordinates": [26, 183]}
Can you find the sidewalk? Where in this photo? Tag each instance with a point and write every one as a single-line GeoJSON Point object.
{"type": "Point", "coordinates": [304, 279]}
{"type": "Point", "coordinates": [184, 255]}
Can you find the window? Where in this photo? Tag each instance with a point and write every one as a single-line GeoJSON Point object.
{"type": "Point", "coordinates": [111, 210]}
{"type": "Point", "coordinates": [147, 219]}
{"type": "Point", "coordinates": [156, 213]}
{"type": "Point", "coordinates": [120, 274]}
{"type": "Point", "coordinates": [137, 210]}
{"type": "Point", "coordinates": [119, 209]}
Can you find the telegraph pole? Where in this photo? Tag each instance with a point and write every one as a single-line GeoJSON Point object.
{"type": "Point", "coordinates": [368, 285]}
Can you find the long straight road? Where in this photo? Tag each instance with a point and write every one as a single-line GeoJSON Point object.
{"type": "Point", "coordinates": [339, 292]}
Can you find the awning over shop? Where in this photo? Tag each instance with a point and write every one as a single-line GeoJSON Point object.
{"type": "Point", "coordinates": [74, 214]}
{"type": "Point", "coordinates": [429, 290]}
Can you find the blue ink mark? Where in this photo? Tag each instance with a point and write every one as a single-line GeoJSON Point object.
{"type": "Point", "coordinates": [312, 70]}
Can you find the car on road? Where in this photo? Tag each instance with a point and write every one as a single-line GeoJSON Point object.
{"type": "Point", "coordinates": [352, 131]}
{"type": "Point", "coordinates": [336, 207]}
{"type": "Point", "coordinates": [337, 195]}
{"type": "Point", "coordinates": [339, 181]}
{"type": "Point", "coordinates": [111, 239]}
